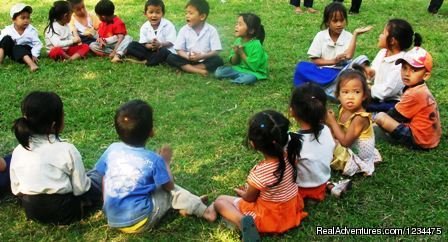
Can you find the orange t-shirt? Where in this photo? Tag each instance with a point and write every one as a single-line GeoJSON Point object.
{"type": "Point", "coordinates": [106, 30]}
{"type": "Point", "coordinates": [418, 105]}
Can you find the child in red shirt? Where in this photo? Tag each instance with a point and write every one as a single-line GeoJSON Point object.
{"type": "Point", "coordinates": [415, 120]}
{"type": "Point", "coordinates": [112, 34]}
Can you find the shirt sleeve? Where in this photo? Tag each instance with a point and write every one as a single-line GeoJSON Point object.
{"type": "Point", "coordinates": [170, 34]}
{"type": "Point", "coordinates": [101, 165]}
{"type": "Point", "coordinates": [315, 50]}
{"type": "Point", "coordinates": [37, 44]}
{"type": "Point", "coordinates": [181, 41]}
{"type": "Point", "coordinates": [410, 105]}
{"type": "Point", "coordinates": [120, 28]}
{"type": "Point", "coordinates": [143, 35]}
{"type": "Point", "coordinates": [161, 175]}
{"type": "Point", "coordinates": [215, 42]}
{"type": "Point", "coordinates": [80, 181]}
{"type": "Point", "coordinates": [56, 41]}
{"type": "Point", "coordinates": [255, 178]}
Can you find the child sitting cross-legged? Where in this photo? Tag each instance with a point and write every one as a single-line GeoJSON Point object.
{"type": "Point", "coordinates": [415, 120]}
{"type": "Point", "coordinates": [138, 184]}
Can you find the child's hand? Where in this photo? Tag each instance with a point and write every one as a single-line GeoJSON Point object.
{"type": "Point", "coordinates": [101, 42]}
{"type": "Point", "coordinates": [112, 54]}
{"type": "Point", "coordinates": [238, 49]}
{"type": "Point", "coordinates": [76, 39]}
{"type": "Point", "coordinates": [363, 30]}
{"type": "Point", "coordinates": [240, 192]}
{"type": "Point", "coordinates": [195, 56]}
{"type": "Point", "coordinates": [156, 44]}
{"type": "Point", "coordinates": [330, 117]}
{"type": "Point", "coordinates": [341, 57]}
{"type": "Point", "coordinates": [149, 46]}
{"type": "Point", "coordinates": [166, 153]}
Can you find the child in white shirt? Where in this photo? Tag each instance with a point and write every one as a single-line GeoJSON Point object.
{"type": "Point", "coordinates": [20, 40]}
{"type": "Point", "coordinates": [83, 23]}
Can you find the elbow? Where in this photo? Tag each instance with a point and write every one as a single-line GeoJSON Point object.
{"type": "Point", "coordinates": [346, 143]}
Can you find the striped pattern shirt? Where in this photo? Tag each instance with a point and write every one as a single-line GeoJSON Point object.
{"type": "Point", "coordinates": [262, 176]}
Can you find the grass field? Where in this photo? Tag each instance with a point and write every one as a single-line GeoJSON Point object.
{"type": "Point", "coordinates": [205, 122]}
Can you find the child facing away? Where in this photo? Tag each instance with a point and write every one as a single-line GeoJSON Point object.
{"type": "Point", "coordinates": [60, 41]}
{"type": "Point", "coordinates": [414, 121]}
{"type": "Point", "coordinates": [47, 174]}
{"type": "Point", "coordinates": [396, 38]}
{"type": "Point", "coordinates": [112, 34]}
{"type": "Point", "coordinates": [138, 184]}
{"type": "Point", "coordinates": [20, 40]}
{"type": "Point", "coordinates": [308, 107]}
{"type": "Point", "coordinates": [248, 59]}
{"type": "Point", "coordinates": [83, 23]}
{"type": "Point", "coordinates": [157, 36]}
{"type": "Point", "coordinates": [270, 201]}
{"type": "Point", "coordinates": [197, 42]}
{"type": "Point", "coordinates": [353, 130]}
{"type": "Point", "coordinates": [330, 51]}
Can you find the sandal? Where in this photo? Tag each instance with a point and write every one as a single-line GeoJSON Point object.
{"type": "Point", "coordinates": [249, 230]}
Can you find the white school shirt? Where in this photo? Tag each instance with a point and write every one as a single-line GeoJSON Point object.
{"type": "Point", "coordinates": [75, 25]}
{"type": "Point", "coordinates": [313, 167]}
{"type": "Point", "coordinates": [324, 47]}
{"type": "Point", "coordinates": [29, 37]}
{"type": "Point", "coordinates": [61, 37]}
{"type": "Point", "coordinates": [166, 32]}
{"type": "Point", "coordinates": [387, 84]}
{"type": "Point", "coordinates": [49, 167]}
{"type": "Point", "coordinates": [207, 40]}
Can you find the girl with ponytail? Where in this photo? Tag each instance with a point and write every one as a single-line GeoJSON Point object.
{"type": "Point", "coordinates": [270, 202]}
{"type": "Point", "coordinates": [396, 37]}
{"type": "Point", "coordinates": [61, 42]}
{"type": "Point", "coordinates": [248, 59]}
{"type": "Point", "coordinates": [45, 171]}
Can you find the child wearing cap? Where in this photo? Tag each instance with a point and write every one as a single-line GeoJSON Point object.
{"type": "Point", "coordinates": [414, 121]}
{"type": "Point", "coordinates": [20, 40]}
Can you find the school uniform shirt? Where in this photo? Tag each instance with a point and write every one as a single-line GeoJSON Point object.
{"type": "Point", "coordinates": [256, 62]}
{"type": "Point", "coordinates": [387, 84]}
{"type": "Point", "coordinates": [419, 105]}
{"type": "Point", "coordinates": [107, 30]}
{"type": "Point", "coordinates": [324, 47]}
{"type": "Point", "coordinates": [29, 37]}
{"type": "Point", "coordinates": [166, 32]}
{"type": "Point", "coordinates": [61, 37]}
{"type": "Point", "coordinates": [50, 166]}
{"type": "Point", "coordinates": [207, 40]}
{"type": "Point", "coordinates": [313, 167]}
{"type": "Point", "coordinates": [131, 174]}
{"type": "Point", "coordinates": [90, 29]}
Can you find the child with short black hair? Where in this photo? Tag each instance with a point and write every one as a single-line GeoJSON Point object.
{"type": "Point", "coordinates": [138, 184]}
{"type": "Point", "coordinates": [112, 34]}
{"type": "Point", "coordinates": [60, 42]}
{"type": "Point", "coordinates": [415, 119]}
{"type": "Point", "coordinates": [20, 40]}
{"type": "Point", "coordinates": [197, 43]}
{"type": "Point", "coordinates": [47, 173]}
{"type": "Point", "coordinates": [83, 23]}
{"type": "Point", "coordinates": [248, 59]}
{"type": "Point", "coordinates": [157, 36]}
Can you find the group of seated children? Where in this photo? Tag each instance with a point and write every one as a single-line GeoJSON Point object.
{"type": "Point", "coordinates": [72, 32]}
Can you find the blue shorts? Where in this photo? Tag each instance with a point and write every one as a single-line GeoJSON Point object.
{"type": "Point", "coordinates": [403, 135]}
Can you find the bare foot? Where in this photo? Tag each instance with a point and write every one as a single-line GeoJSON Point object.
{"type": "Point", "coordinates": [183, 213]}
{"type": "Point", "coordinates": [210, 213]}
{"type": "Point", "coordinates": [298, 10]}
{"type": "Point", "coordinates": [167, 153]}
{"type": "Point", "coordinates": [203, 73]}
{"type": "Point", "coordinates": [311, 10]}
{"type": "Point", "coordinates": [116, 59]}
{"type": "Point", "coordinates": [34, 68]}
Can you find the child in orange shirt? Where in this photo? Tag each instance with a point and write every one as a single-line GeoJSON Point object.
{"type": "Point", "coordinates": [270, 202]}
{"type": "Point", "coordinates": [415, 120]}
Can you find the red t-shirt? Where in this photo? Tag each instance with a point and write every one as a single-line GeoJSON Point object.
{"type": "Point", "coordinates": [106, 30]}
{"type": "Point", "coordinates": [418, 105]}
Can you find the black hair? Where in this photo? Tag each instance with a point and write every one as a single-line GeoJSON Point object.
{"type": "Point", "coordinates": [155, 3]}
{"type": "Point", "coordinates": [105, 8]}
{"type": "Point", "coordinates": [42, 113]}
{"type": "Point", "coordinates": [27, 9]}
{"type": "Point", "coordinates": [74, 2]}
{"type": "Point", "coordinates": [254, 26]}
{"type": "Point", "coordinates": [356, 72]}
{"type": "Point", "coordinates": [201, 5]}
{"type": "Point", "coordinates": [57, 12]}
{"type": "Point", "coordinates": [401, 30]}
{"type": "Point", "coordinates": [330, 11]}
{"type": "Point", "coordinates": [308, 103]}
{"type": "Point", "coordinates": [268, 132]}
{"type": "Point", "coordinates": [134, 123]}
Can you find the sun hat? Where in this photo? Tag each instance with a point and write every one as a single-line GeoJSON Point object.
{"type": "Point", "coordinates": [19, 7]}
{"type": "Point", "coordinates": [418, 58]}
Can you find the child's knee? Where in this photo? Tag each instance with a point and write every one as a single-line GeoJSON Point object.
{"type": "Point", "coordinates": [380, 118]}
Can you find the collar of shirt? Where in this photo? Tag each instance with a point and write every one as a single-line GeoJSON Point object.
{"type": "Point", "coordinates": [204, 29]}
{"type": "Point", "coordinates": [340, 41]}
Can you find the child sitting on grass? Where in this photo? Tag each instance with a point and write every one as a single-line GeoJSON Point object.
{"type": "Point", "coordinates": [112, 34]}
{"type": "Point", "coordinates": [197, 43]}
{"type": "Point", "coordinates": [138, 184]}
{"type": "Point", "coordinates": [83, 23]}
{"type": "Point", "coordinates": [20, 40]}
{"type": "Point", "coordinates": [5, 182]}
{"type": "Point", "coordinates": [157, 36]}
{"type": "Point", "coordinates": [415, 120]}
{"type": "Point", "coordinates": [270, 201]}
{"type": "Point", "coordinates": [248, 58]}
{"type": "Point", "coordinates": [60, 42]}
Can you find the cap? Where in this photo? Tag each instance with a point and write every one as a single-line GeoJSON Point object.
{"type": "Point", "coordinates": [19, 7]}
{"type": "Point", "coordinates": [418, 58]}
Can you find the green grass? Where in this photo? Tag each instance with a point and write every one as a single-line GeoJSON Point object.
{"type": "Point", "coordinates": [205, 122]}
